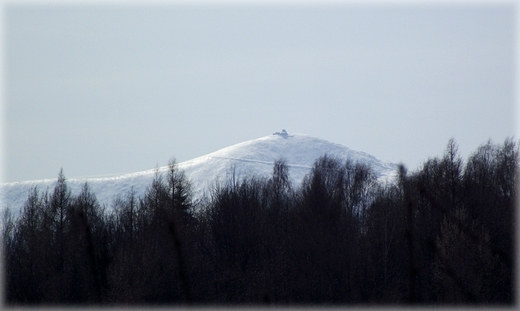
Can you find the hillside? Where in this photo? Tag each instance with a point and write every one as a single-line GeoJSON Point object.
{"type": "Point", "coordinates": [250, 157]}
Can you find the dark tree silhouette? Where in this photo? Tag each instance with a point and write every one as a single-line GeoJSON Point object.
{"type": "Point", "coordinates": [442, 234]}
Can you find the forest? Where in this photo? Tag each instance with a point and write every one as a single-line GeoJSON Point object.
{"type": "Point", "coordinates": [440, 235]}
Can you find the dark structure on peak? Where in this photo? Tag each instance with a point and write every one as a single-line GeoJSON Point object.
{"type": "Point", "coordinates": [283, 133]}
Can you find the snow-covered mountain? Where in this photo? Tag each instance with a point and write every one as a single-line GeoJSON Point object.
{"type": "Point", "coordinates": [250, 157]}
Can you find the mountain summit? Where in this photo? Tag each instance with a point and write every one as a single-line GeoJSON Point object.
{"type": "Point", "coordinates": [252, 157]}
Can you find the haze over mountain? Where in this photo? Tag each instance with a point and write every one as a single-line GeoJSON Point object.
{"type": "Point", "coordinates": [253, 157]}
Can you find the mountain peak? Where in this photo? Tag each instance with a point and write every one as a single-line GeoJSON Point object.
{"type": "Point", "coordinates": [252, 157]}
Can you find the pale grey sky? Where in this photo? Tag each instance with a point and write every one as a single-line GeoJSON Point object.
{"type": "Point", "coordinates": [100, 89]}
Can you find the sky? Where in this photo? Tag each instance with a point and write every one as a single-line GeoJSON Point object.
{"type": "Point", "coordinates": [107, 89]}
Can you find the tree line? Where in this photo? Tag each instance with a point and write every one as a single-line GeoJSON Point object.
{"type": "Point", "coordinates": [441, 234]}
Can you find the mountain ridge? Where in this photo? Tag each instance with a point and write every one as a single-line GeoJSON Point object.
{"type": "Point", "coordinates": [251, 157]}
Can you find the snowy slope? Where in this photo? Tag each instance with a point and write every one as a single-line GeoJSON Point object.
{"type": "Point", "coordinates": [250, 157]}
